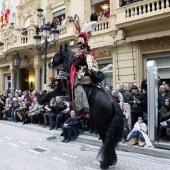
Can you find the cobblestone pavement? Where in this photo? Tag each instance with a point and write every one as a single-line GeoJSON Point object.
{"type": "Point", "coordinates": [22, 149]}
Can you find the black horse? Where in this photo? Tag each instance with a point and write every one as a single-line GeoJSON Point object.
{"type": "Point", "coordinates": [105, 112]}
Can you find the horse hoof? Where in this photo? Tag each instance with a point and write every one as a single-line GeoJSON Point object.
{"type": "Point", "coordinates": [102, 166]}
{"type": "Point", "coordinates": [113, 162]}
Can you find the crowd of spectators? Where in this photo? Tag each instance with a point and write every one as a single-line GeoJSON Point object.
{"type": "Point", "coordinates": [16, 105]}
{"type": "Point", "coordinates": [100, 16]}
{"type": "Point", "coordinates": [127, 2]}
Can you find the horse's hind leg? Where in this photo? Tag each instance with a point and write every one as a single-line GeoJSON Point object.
{"type": "Point", "coordinates": [102, 133]}
{"type": "Point", "coordinates": [113, 160]}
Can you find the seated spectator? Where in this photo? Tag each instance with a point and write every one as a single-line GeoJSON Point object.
{"type": "Point", "coordinates": [15, 106]}
{"type": "Point", "coordinates": [165, 114]}
{"type": "Point", "coordinates": [139, 134]}
{"type": "Point", "coordinates": [56, 109]}
{"type": "Point", "coordinates": [107, 13]}
{"type": "Point", "coordinates": [21, 110]}
{"type": "Point", "coordinates": [7, 109]}
{"type": "Point", "coordinates": [32, 110]}
{"type": "Point", "coordinates": [93, 17]}
{"type": "Point", "coordinates": [1, 108]}
{"type": "Point", "coordinates": [70, 128]}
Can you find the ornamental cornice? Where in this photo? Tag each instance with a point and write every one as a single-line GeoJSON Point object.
{"type": "Point", "coordinates": [102, 52]}
{"type": "Point", "coordinates": [156, 44]}
{"type": "Point", "coordinates": [13, 70]}
{"type": "Point", "coordinates": [37, 67]}
{"type": "Point", "coordinates": [5, 69]}
{"type": "Point", "coordinates": [25, 61]}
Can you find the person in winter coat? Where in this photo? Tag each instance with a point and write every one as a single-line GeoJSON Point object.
{"type": "Point", "coordinates": [165, 114]}
{"type": "Point", "coordinates": [70, 128]}
{"type": "Point", "coordinates": [136, 102]}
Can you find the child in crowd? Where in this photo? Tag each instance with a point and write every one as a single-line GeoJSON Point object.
{"type": "Point", "coordinates": [139, 134]}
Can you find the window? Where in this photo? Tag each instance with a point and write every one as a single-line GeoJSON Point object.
{"type": "Point", "coordinates": [7, 82]}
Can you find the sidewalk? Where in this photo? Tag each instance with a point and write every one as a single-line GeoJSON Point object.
{"type": "Point", "coordinates": [85, 137]}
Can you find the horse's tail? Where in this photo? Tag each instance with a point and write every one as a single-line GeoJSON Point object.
{"type": "Point", "coordinates": [113, 136]}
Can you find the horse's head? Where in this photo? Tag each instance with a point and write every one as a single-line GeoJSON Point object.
{"type": "Point", "coordinates": [63, 56]}
{"type": "Point", "coordinates": [57, 59]}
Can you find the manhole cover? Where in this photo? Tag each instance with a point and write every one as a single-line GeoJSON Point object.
{"type": "Point", "coordinates": [51, 138]}
{"type": "Point", "coordinates": [39, 150]}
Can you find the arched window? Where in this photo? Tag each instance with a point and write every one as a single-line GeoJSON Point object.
{"type": "Point", "coordinates": [27, 22]}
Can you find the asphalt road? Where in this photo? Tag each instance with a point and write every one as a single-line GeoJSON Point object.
{"type": "Point", "coordinates": [22, 149]}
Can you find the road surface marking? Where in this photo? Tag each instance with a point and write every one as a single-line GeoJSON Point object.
{"type": "Point", "coordinates": [14, 145]}
{"type": "Point", "coordinates": [59, 159]}
{"type": "Point", "coordinates": [43, 148]}
{"type": "Point", "coordinates": [96, 163]}
{"type": "Point", "coordinates": [25, 143]}
{"type": "Point", "coordinates": [34, 151]}
{"type": "Point", "coordinates": [71, 156]}
{"type": "Point", "coordinates": [7, 138]}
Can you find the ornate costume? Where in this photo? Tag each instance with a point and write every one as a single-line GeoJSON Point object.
{"type": "Point", "coordinates": [86, 62]}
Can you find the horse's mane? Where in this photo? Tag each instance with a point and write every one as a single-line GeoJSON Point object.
{"type": "Point", "coordinates": [69, 57]}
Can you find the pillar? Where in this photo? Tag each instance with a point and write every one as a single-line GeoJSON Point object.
{"type": "Point", "coordinates": [12, 71]}
{"type": "Point", "coordinates": [37, 68]}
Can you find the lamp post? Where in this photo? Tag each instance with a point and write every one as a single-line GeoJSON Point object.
{"type": "Point", "coordinates": [46, 34]}
{"type": "Point", "coordinates": [16, 62]}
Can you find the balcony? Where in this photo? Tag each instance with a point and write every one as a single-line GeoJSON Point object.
{"type": "Point", "coordinates": [14, 40]}
{"type": "Point", "coordinates": [143, 14]}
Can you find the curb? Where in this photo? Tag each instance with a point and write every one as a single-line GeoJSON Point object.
{"type": "Point", "coordinates": [93, 140]}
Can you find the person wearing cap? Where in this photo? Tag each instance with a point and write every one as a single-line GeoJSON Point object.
{"type": "Point", "coordinates": [136, 101]}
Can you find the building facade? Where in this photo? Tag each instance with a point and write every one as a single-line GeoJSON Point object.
{"type": "Point", "coordinates": [132, 35]}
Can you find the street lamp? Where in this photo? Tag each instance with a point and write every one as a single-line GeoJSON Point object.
{"type": "Point", "coordinates": [46, 34]}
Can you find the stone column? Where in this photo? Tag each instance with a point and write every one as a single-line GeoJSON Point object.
{"type": "Point", "coordinates": [37, 68]}
{"type": "Point", "coordinates": [12, 71]}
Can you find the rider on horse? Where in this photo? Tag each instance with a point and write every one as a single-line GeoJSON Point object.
{"type": "Point", "coordinates": [83, 71]}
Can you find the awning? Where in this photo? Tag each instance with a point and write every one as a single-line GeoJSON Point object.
{"type": "Point", "coordinates": [96, 1]}
{"type": "Point", "coordinates": [59, 11]}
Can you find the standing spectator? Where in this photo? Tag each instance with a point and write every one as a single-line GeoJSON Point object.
{"type": "Point", "coordinates": [58, 23]}
{"type": "Point", "coordinates": [93, 17]}
{"type": "Point", "coordinates": [118, 97]}
{"type": "Point", "coordinates": [162, 95]}
{"type": "Point", "coordinates": [107, 88]}
{"type": "Point", "coordinates": [107, 13]}
{"type": "Point", "coordinates": [136, 102]}
{"type": "Point", "coordinates": [159, 82]}
{"type": "Point", "coordinates": [37, 29]}
{"type": "Point", "coordinates": [63, 20]}
{"type": "Point", "coordinates": [101, 16]}
{"type": "Point", "coordinates": [144, 84]}
{"type": "Point", "coordinates": [167, 88]}
{"type": "Point", "coordinates": [70, 128]}
{"type": "Point", "coordinates": [121, 89]}
{"type": "Point", "coordinates": [128, 92]}
{"type": "Point", "coordinates": [164, 82]}
{"type": "Point", "coordinates": [76, 18]}
{"type": "Point", "coordinates": [165, 113]}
